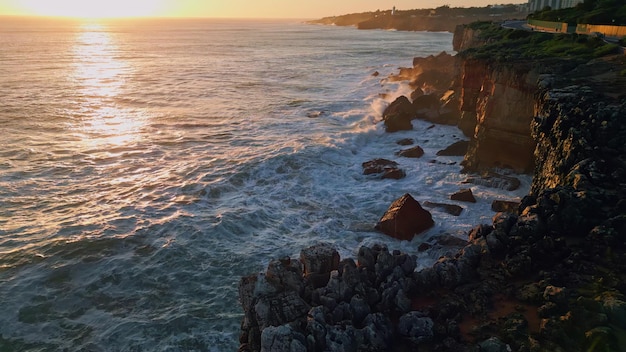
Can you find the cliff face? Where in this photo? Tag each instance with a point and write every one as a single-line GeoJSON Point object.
{"type": "Point", "coordinates": [496, 105]}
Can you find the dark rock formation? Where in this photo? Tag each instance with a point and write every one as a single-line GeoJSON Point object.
{"type": "Point", "coordinates": [464, 195]}
{"type": "Point", "coordinates": [415, 152]}
{"type": "Point", "coordinates": [405, 141]}
{"type": "Point", "coordinates": [505, 206]}
{"type": "Point", "coordinates": [451, 209]}
{"type": "Point", "coordinates": [546, 276]}
{"type": "Point", "coordinates": [387, 168]}
{"type": "Point", "coordinates": [398, 115]}
{"type": "Point", "coordinates": [404, 219]}
{"type": "Point", "coordinates": [495, 180]}
{"type": "Point", "coordinates": [458, 148]}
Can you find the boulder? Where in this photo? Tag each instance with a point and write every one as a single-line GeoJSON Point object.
{"type": "Point", "coordinates": [405, 218]}
{"type": "Point", "coordinates": [455, 149]}
{"type": "Point", "coordinates": [387, 168]}
{"type": "Point", "coordinates": [464, 195]}
{"type": "Point", "coordinates": [393, 173]}
{"type": "Point", "coordinates": [398, 115]}
{"type": "Point", "coordinates": [377, 166]}
{"type": "Point", "coordinates": [415, 152]}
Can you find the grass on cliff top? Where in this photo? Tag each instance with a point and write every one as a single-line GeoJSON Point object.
{"type": "Point", "coordinates": [504, 44]}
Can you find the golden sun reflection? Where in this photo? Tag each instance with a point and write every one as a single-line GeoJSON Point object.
{"type": "Point", "coordinates": [100, 77]}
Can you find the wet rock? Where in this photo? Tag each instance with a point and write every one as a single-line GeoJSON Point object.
{"type": "Point", "coordinates": [455, 149]}
{"type": "Point", "coordinates": [378, 166]}
{"type": "Point", "coordinates": [495, 180]}
{"type": "Point", "coordinates": [451, 209]}
{"type": "Point", "coordinates": [387, 168]}
{"type": "Point", "coordinates": [398, 115]}
{"type": "Point", "coordinates": [394, 174]}
{"type": "Point", "coordinates": [404, 219]}
{"type": "Point", "coordinates": [464, 195]}
{"type": "Point", "coordinates": [415, 152]}
{"type": "Point", "coordinates": [405, 141]}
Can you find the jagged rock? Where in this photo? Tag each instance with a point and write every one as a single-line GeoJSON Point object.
{"type": "Point", "coordinates": [415, 152]}
{"type": "Point", "coordinates": [282, 338]}
{"type": "Point", "coordinates": [320, 258]}
{"type": "Point", "coordinates": [398, 115]}
{"type": "Point", "coordinates": [458, 148]}
{"type": "Point", "coordinates": [286, 273]}
{"type": "Point", "coordinates": [505, 206]}
{"type": "Point", "coordinates": [416, 327]}
{"type": "Point", "coordinates": [404, 219]}
{"type": "Point", "coordinates": [464, 195]}
{"type": "Point", "coordinates": [451, 209]}
{"type": "Point", "coordinates": [280, 308]}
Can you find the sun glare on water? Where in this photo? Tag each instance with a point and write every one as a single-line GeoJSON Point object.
{"type": "Point", "coordinates": [90, 9]}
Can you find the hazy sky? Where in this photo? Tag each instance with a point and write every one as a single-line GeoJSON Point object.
{"type": "Point", "coordinates": [220, 8]}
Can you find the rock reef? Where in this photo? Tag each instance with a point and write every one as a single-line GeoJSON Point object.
{"type": "Point", "coordinates": [547, 274]}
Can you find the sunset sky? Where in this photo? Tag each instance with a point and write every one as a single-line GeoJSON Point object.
{"type": "Point", "coordinates": [218, 8]}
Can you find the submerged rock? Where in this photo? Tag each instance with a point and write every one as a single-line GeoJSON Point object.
{"type": "Point", "coordinates": [451, 209]}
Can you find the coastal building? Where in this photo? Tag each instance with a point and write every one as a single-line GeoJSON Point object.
{"type": "Point", "coordinates": [538, 5]}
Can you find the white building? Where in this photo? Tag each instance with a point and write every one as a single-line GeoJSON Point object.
{"type": "Point", "coordinates": [538, 5]}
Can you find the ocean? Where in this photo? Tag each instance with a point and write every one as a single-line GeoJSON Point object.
{"type": "Point", "coordinates": [146, 165]}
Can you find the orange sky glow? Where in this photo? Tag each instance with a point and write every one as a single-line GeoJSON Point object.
{"type": "Point", "coordinates": [216, 8]}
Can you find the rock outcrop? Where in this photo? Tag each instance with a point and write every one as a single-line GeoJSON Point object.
{"type": "Point", "coordinates": [547, 274]}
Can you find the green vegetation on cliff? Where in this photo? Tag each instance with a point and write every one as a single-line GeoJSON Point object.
{"type": "Point", "coordinates": [513, 45]}
{"type": "Point", "coordinates": [611, 12]}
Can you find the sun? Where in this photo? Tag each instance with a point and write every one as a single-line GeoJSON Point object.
{"type": "Point", "coordinates": [94, 8]}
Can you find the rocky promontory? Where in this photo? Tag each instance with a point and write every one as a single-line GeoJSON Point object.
{"type": "Point", "coordinates": [547, 275]}
{"type": "Point", "coordinates": [440, 19]}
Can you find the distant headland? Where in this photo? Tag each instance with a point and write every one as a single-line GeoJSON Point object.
{"type": "Point", "coordinates": [440, 19]}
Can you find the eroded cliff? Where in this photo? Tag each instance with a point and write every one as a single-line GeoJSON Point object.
{"type": "Point", "coordinates": [549, 276]}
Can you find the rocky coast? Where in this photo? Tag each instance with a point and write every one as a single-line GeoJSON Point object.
{"type": "Point", "coordinates": [547, 274]}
